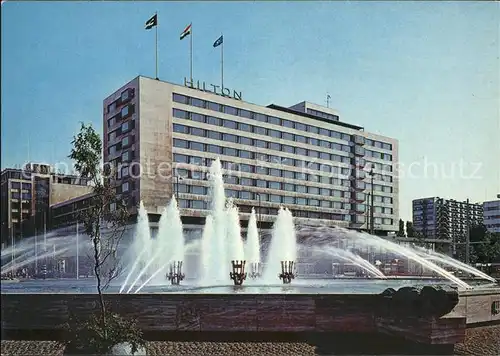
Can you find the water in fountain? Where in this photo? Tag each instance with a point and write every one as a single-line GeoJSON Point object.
{"type": "Point", "coordinates": [139, 249]}
{"type": "Point", "coordinates": [252, 250]}
{"type": "Point", "coordinates": [349, 257]}
{"type": "Point", "coordinates": [234, 241]}
{"type": "Point", "coordinates": [447, 260]}
{"type": "Point", "coordinates": [206, 242]}
{"type": "Point", "coordinates": [408, 253]}
{"type": "Point", "coordinates": [283, 245]}
{"type": "Point", "coordinates": [216, 258]}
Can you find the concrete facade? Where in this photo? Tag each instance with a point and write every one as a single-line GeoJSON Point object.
{"type": "Point", "coordinates": [317, 166]}
{"type": "Point", "coordinates": [491, 214]}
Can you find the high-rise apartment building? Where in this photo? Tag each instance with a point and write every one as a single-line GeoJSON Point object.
{"type": "Point", "coordinates": [491, 213]}
{"type": "Point", "coordinates": [446, 219]}
{"type": "Point", "coordinates": [162, 137]}
{"type": "Point", "coordinates": [26, 195]}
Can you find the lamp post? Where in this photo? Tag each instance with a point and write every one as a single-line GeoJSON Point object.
{"type": "Point", "coordinates": [371, 202]}
{"type": "Point", "coordinates": [467, 236]}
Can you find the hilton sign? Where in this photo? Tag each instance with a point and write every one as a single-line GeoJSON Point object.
{"type": "Point", "coordinates": [212, 88]}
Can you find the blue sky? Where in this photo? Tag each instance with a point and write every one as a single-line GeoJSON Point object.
{"type": "Point", "coordinates": [425, 73]}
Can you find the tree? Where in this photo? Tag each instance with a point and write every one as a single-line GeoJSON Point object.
{"type": "Point", "coordinates": [107, 212]}
{"type": "Point", "coordinates": [401, 232]}
{"type": "Point", "coordinates": [488, 251]}
{"type": "Point", "coordinates": [410, 231]}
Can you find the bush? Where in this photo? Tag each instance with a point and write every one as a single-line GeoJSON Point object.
{"type": "Point", "coordinates": [90, 337]}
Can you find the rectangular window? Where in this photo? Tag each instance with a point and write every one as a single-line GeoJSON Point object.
{"type": "Point", "coordinates": [230, 124]}
{"type": "Point", "coordinates": [261, 170]}
{"type": "Point", "coordinates": [275, 172]}
{"type": "Point", "coordinates": [126, 156]}
{"type": "Point", "coordinates": [246, 141]}
{"type": "Point", "coordinates": [181, 143]}
{"type": "Point", "coordinates": [245, 113]}
{"type": "Point", "coordinates": [260, 117]}
{"type": "Point", "coordinates": [181, 114]}
{"type": "Point", "coordinates": [324, 132]}
{"type": "Point", "coordinates": [289, 175]}
{"type": "Point", "coordinates": [230, 110]}
{"type": "Point", "coordinates": [274, 133]}
{"type": "Point", "coordinates": [312, 153]}
{"type": "Point", "coordinates": [195, 189]}
{"type": "Point", "coordinates": [324, 155]}
{"type": "Point", "coordinates": [178, 98]}
{"type": "Point", "coordinates": [313, 141]}
{"type": "Point", "coordinates": [230, 151]}
{"type": "Point", "coordinates": [300, 139]}
{"type": "Point", "coordinates": [288, 149]}
{"type": "Point", "coordinates": [326, 204]}
{"type": "Point", "coordinates": [198, 204]}
{"type": "Point", "coordinates": [275, 185]}
{"type": "Point", "coordinates": [301, 201]}
{"type": "Point", "coordinates": [313, 190]}
{"type": "Point", "coordinates": [312, 129]}
{"type": "Point", "coordinates": [248, 182]}
{"type": "Point", "coordinates": [198, 102]}
{"type": "Point", "coordinates": [126, 127]}
{"type": "Point", "coordinates": [288, 123]}
{"type": "Point", "coordinates": [125, 187]}
{"type": "Point", "coordinates": [275, 146]}
{"type": "Point", "coordinates": [260, 143]}
{"type": "Point", "coordinates": [246, 154]}
{"type": "Point", "coordinates": [325, 192]}
{"type": "Point", "coordinates": [260, 130]}
{"type": "Point", "coordinates": [230, 138]}
{"type": "Point", "coordinates": [274, 120]}
{"type": "Point", "coordinates": [214, 135]}
{"type": "Point", "coordinates": [288, 136]}
{"type": "Point", "coordinates": [213, 121]}
{"type": "Point", "coordinates": [288, 200]}
{"type": "Point", "coordinates": [181, 129]}
{"type": "Point", "coordinates": [275, 198]}
{"type": "Point", "coordinates": [246, 168]}
{"type": "Point", "coordinates": [301, 151]}
{"type": "Point", "coordinates": [197, 117]}
{"type": "Point", "coordinates": [213, 106]}
{"type": "Point", "coordinates": [261, 183]}
{"type": "Point", "coordinates": [246, 195]}
{"type": "Point", "coordinates": [300, 126]}
{"type": "Point", "coordinates": [197, 146]}
{"type": "Point", "coordinates": [214, 149]}
{"type": "Point", "coordinates": [126, 141]}
{"type": "Point", "coordinates": [301, 188]}
{"type": "Point", "coordinates": [112, 107]}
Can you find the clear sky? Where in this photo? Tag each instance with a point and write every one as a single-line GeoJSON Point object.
{"type": "Point", "coordinates": [426, 73]}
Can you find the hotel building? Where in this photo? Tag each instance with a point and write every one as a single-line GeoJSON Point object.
{"type": "Point", "coordinates": [491, 214]}
{"type": "Point", "coordinates": [162, 137]}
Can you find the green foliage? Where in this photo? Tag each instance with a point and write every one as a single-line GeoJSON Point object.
{"type": "Point", "coordinates": [410, 231]}
{"type": "Point", "coordinates": [488, 251]}
{"type": "Point", "coordinates": [91, 337]}
{"type": "Point", "coordinates": [401, 232]}
{"type": "Point", "coordinates": [87, 152]}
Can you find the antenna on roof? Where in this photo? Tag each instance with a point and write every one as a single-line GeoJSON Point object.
{"type": "Point", "coordinates": [328, 97]}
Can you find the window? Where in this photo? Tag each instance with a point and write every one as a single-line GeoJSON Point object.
{"type": "Point", "coordinates": [125, 171]}
{"type": "Point", "coordinates": [324, 155]}
{"type": "Point", "coordinates": [301, 188]}
{"type": "Point", "coordinates": [245, 113]}
{"type": "Point", "coordinates": [275, 146]}
{"type": "Point", "coordinates": [112, 136]}
{"type": "Point", "coordinates": [230, 124]}
{"type": "Point", "coordinates": [260, 117]}
{"type": "Point", "coordinates": [386, 146]}
{"type": "Point", "coordinates": [301, 201]}
{"type": "Point", "coordinates": [275, 185]}
{"type": "Point", "coordinates": [246, 154]}
{"type": "Point", "coordinates": [178, 98]}
{"type": "Point", "coordinates": [125, 187]}
{"type": "Point", "coordinates": [312, 141]}
{"type": "Point", "coordinates": [197, 117]}
{"type": "Point", "coordinates": [326, 204]}
{"type": "Point", "coordinates": [312, 129]}
{"type": "Point", "coordinates": [197, 146]}
{"type": "Point", "coordinates": [289, 187]}
{"type": "Point", "coordinates": [274, 120]}
{"type": "Point", "coordinates": [198, 204]}
{"type": "Point", "coordinates": [181, 128]}
{"type": "Point", "coordinates": [325, 192]}
{"type": "Point", "coordinates": [260, 130]}
{"type": "Point", "coordinates": [213, 121]}
{"type": "Point", "coordinates": [213, 106]}
{"type": "Point", "coordinates": [324, 132]}
{"type": "Point", "coordinates": [246, 182]}
{"type": "Point", "coordinates": [261, 183]}
{"type": "Point", "coordinates": [198, 102]}
{"type": "Point", "coordinates": [288, 149]}
{"type": "Point", "coordinates": [288, 123]}
{"type": "Point", "coordinates": [335, 134]}
{"type": "Point", "coordinates": [214, 135]}
{"type": "Point", "coordinates": [288, 136]}
{"type": "Point", "coordinates": [275, 172]}
{"type": "Point", "coordinates": [126, 141]}
{"type": "Point", "coordinates": [246, 141]}
{"type": "Point", "coordinates": [261, 170]}
{"type": "Point", "coordinates": [312, 153]}
{"type": "Point", "coordinates": [274, 133]}
{"type": "Point", "coordinates": [288, 200]}
{"type": "Point", "coordinates": [230, 193]}
{"type": "Point", "coordinates": [246, 168]}
{"type": "Point", "coordinates": [126, 126]}
{"type": "Point", "coordinates": [245, 127]}
{"type": "Point", "coordinates": [125, 111]}
{"type": "Point", "coordinates": [313, 190]}
{"type": "Point", "coordinates": [300, 139]}
{"type": "Point", "coordinates": [301, 151]}
{"type": "Point", "coordinates": [230, 138]}
{"type": "Point", "coordinates": [181, 114]}
{"type": "Point", "coordinates": [181, 143]}
{"type": "Point", "coordinates": [112, 107]}
{"type": "Point", "coordinates": [230, 151]}
{"type": "Point", "coordinates": [230, 110]}
{"type": "Point", "coordinates": [195, 189]}
{"type": "Point", "coordinates": [275, 198]}
{"type": "Point", "coordinates": [300, 126]}
{"type": "Point", "coordinates": [197, 132]}
{"type": "Point", "coordinates": [126, 156]}
{"type": "Point", "coordinates": [246, 195]}
{"type": "Point", "coordinates": [260, 143]}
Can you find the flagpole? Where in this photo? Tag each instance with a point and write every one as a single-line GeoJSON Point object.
{"type": "Point", "coordinates": [222, 62]}
{"type": "Point", "coordinates": [156, 44]}
{"type": "Point", "coordinates": [191, 54]}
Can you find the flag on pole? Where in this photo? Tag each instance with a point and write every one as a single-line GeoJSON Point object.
{"type": "Point", "coordinates": [186, 32]}
{"type": "Point", "coordinates": [152, 22]}
{"type": "Point", "coordinates": [219, 41]}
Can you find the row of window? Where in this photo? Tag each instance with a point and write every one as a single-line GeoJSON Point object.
{"type": "Point", "coordinates": [275, 134]}
{"type": "Point", "coordinates": [290, 187]}
{"type": "Point", "coordinates": [204, 205]}
{"type": "Point", "coordinates": [276, 172]}
{"type": "Point", "coordinates": [275, 198]}
{"type": "Point", "coordinates": [18, 185]}
{"type": "Point", "coordinates": [17, 195]}
{"type": "Point", "coordinates": [258, 117]}
{"type": "Point", "coordinates": [323, 114]}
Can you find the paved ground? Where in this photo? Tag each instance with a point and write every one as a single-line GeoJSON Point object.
{"type": "Point", "coordinates": [478, 341]}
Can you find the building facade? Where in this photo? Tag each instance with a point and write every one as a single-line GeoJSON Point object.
{"type": "Point", "coordinates": [162, 137]}
{"type": "Point", "coordinates": [26, 196]}
{"type": "Point", "coordinates": [446, 219]}
{"type": "Point", "coordinates": [491, 214]}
